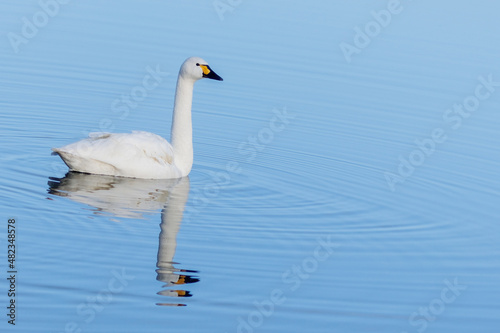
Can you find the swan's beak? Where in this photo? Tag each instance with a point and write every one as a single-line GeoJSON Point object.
{"type": "Point", "coordinates": [209, 73]}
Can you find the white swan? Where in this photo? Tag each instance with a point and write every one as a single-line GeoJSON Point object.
{"type": "Point", "coordinates": [143, 154]}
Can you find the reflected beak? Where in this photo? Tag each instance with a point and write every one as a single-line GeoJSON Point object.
{"type": "Point", "coordinates": [209, 73]}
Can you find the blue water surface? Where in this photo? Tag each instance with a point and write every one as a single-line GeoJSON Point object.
{"type": "Point", "coordinates": [345, 175]}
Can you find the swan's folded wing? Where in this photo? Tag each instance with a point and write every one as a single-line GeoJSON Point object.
{"type": "Point", "coordinates": [123, 149]}
{"type": "Point", "coordinates": [153, 146]}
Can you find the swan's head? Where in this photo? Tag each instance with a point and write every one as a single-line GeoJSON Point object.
{"type": "Point", "coordinates": [197, 68]}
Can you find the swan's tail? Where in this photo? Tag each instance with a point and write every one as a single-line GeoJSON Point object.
{"type": "Point", "coordinates": [82, 164]}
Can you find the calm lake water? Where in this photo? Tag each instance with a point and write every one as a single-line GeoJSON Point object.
{"type": "Point", "coordinates": [345, 175]}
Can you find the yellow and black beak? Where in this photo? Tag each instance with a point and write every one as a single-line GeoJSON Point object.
{"type": "Point", "coordinates": [209, 73]}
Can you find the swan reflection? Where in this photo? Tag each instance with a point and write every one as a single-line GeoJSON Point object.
{"type": "Point", "coordinates": [132, 198]}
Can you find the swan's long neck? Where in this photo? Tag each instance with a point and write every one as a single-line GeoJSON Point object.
{"type": "Point", "coordinates": [182, 130]}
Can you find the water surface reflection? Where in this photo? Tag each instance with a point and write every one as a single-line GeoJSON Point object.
{"type": "Point", "coordinates": [133, 198]}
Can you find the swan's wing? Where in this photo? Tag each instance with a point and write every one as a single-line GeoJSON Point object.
{"type": "Point", "coordinates": [152, 145]}
{"type": "Point", "coordinates": [122, 150]}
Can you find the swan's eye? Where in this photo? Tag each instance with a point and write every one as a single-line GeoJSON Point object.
{"type": "Point", "coordinates": [197, 64]}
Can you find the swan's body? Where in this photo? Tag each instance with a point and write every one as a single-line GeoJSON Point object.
{"type": "Point", "coordinates": [143, 154]}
